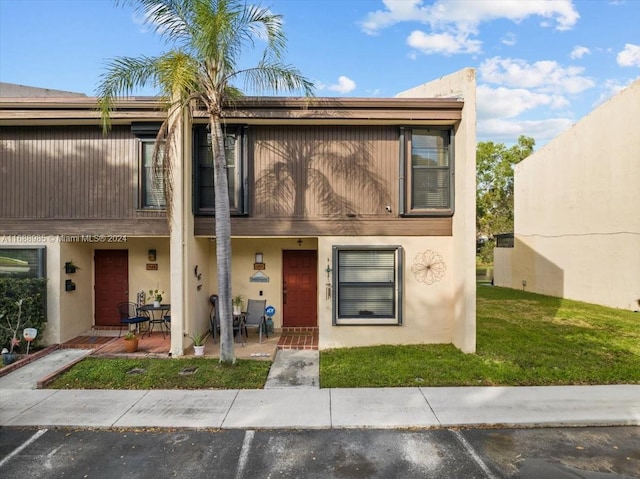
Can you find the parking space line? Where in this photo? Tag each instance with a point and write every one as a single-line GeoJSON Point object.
{"type": "Point", "coordinates": [476, 457]}
{"type": "Point", "coordinates": [244, 452]}
{"type": "Point", "coordinates": [19, 449]}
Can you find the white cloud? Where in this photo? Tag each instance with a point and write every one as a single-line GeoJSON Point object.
{"type": "Point", "coordinates": [509, 39]}
{"type": "Point", "coordinates": [465, 16]}
{"type": "Point", "coordinates": [506, 103]}
{"type": "Point", "coordinates": [444, 43]}
{"type": "Point", "coordinates": [630, 56]}
{"type": "Point", "coordinates": [344, 85]}
{"type": "Point", "coordinates": [545, 75]}
{"type": "Point", "coordinates": [579, 51]}
{"type": "Point", "coordinates": [508, 130]}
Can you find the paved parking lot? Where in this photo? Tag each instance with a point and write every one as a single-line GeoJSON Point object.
{"type": "Point", "coordinates": [589, 453]}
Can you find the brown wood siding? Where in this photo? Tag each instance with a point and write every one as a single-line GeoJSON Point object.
{"type": "Point", "coordinates": [393, 226]}
{"type": "Point", "coordinates": [325, 180]}
{"type": "Point", "coordinates": [69, 173]}
{"type": "Point", "coordinates": [323, 171]}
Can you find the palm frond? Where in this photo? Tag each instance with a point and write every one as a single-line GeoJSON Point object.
{"type": "Point", "coordinates": [121, 77]}
{"type": "Point", "coordinates": [169, 18]}
{"type": "Point", "coordinates": [274, 78]}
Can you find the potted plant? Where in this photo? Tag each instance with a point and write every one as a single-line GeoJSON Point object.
{"type": "Point", "coordinates": [155, 295]}
{"type": "Point", "coordinates": [236, 302]}
{"type": "Point", "coordinates": [198, 343]}
{"type": "Point", "coordinates": [70, 267]}
{"type": "Point", "coordinates": [131, 342]}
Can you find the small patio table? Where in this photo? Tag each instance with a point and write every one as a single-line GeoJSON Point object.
{"type": "Point", "coordinates": [157, 315]}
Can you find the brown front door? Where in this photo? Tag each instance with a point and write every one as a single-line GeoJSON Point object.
{"type": "Point", "coordinates": [299, 288]}
{"type": "Point", "coordinates": [112, 284]}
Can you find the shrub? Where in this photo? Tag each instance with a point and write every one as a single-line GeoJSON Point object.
{"type": "Point", "coordinates": [33, 292]}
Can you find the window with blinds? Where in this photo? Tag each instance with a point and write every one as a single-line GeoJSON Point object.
{"type": "Point", "coordinates": [367, 285]}
{"type": "Point", "coordinates": [430, 186]}
{"type": "Point", "coordinates": [152, 180]}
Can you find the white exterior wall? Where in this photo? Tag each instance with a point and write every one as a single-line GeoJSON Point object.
{"type": "Point", "coordinates": [577, 210]}
{"type": "Point", "coordinates": [460, 300]}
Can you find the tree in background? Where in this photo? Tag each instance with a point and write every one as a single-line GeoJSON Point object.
{"type": "Point", "coordinates": [494, 188]}
{"type": "Point", "coordinates": [209, 40]}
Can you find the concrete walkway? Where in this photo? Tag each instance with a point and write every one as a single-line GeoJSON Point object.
{"type": "Point", "coordinates": [305, 406]}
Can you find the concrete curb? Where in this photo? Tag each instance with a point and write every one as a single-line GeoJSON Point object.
{"type": "Point", "coordinates": [49, 378]}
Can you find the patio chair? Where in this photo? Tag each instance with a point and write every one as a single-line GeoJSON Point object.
{"type": "Point", "coordinates": [256, 318]}
{"type": "Point", "coordinates": [214, 323]}
{"type": "Point", "coordinates": [129, 315]}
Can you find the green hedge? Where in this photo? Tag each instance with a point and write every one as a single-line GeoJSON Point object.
{"type": "Point", "coordinates": [33, 293]}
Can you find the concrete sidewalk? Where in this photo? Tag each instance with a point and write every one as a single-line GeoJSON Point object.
{"type": "Point", "coordinates": [308, 407]}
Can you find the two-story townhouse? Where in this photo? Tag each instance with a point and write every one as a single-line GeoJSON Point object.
{"type": "Point", "coordinates": [360, 212]}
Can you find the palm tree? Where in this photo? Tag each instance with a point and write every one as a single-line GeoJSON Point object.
{"type": "Point", "coordinates": [202, 70]}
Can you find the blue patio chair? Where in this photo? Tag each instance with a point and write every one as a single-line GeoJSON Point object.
{"type": "Point", "coordinates": [129, 315]}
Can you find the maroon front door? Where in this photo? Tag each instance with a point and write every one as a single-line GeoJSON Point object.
{"type": "Point", "coordinates": [111, 285]}
{"type": "Point", "coordinates": [299, 288]}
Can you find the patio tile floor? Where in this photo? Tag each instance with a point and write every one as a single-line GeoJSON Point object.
{"type": "Point", "coordinates": [107, 343]}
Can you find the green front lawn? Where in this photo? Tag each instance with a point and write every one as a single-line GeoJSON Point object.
{"type": "Point", "coordinates": [154, 373]}
{"type": "Point", "coordinates": [522, 339]}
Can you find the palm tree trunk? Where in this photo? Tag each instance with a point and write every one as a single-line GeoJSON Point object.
{"type": "Point", "coordinates": [223, 241]}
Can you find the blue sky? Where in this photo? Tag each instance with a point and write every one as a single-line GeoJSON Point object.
{"type": "Point", "coordinates": [541, 65]}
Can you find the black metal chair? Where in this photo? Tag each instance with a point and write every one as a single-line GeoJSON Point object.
{"type": "Point", "coordinates": [214, 322]}
{"type": "Point", "coordinates": [129, 315]}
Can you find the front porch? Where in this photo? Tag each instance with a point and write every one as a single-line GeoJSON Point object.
{"type": "Point", "coordinates": [106, 342]}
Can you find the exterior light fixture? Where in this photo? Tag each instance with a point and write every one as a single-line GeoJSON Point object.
{"type": "Point", "coordinates": [259, 258]}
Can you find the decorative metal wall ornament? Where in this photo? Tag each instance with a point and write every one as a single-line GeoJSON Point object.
{"type": "Point", "coordinates": [428, 267]}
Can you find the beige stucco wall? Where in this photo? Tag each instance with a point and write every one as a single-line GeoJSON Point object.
{"type": "Point", "coordinates": [461, 84]}
{"type": "Point", "coordinates": [243, 251]}
{"type": "Point", "coordinates": [577, 210]}
{"type": "Point", "coordinates": [428, 309]}
{"type": "Point", "coordinates": [71, 313]}
{"type": "Point", "coordinates": [77, 307]}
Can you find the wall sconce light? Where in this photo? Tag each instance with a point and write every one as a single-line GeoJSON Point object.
{"type": "Point", "coordinates": [152, 255]}
{"type": "Point", "coordinates": [259, 264]}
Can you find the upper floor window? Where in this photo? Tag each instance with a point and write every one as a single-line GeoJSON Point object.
{"type": "Point", "coordinates": [235, 155]}
{"type": "Point", "coordinates": [428, 169]}
{"type": "Point", "coordinates": [151, 179]}
{"type": "Point", "coordinates": [368, 284]}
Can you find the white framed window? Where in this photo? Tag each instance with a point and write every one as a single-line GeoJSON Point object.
{"type": "Point", "coordinates": [367, 285]}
